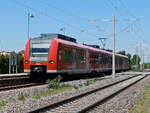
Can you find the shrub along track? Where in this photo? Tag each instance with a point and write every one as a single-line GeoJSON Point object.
{"type": "Point", "coordinates": [86, 101]}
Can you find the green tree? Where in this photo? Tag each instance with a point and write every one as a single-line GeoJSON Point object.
{"type": "Point", "coordinates": [4, 63]}
{"type": "Point", "coordinates": [122, 52]}
{"type": "Point", "coordinates": [129, 57]}
{"type": "Point", "coordinates": [129, 60]}
{"type": "Point", "coordinates": [146, 65]}
{"type": "Point", "coordinates": [20, 58]}
{"type": "Point", "coordinates": [135, 61]}
{"type": "Point", "coordinates": [4, 66]}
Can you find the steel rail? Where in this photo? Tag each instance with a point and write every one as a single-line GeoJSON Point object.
{"type": "Point", "coordinates": [14, 81]}
{"type": "Point", "coordinates": [52, 106]}
{"type": "Point", "coordinates": [20, 86]}
{"type": "Point", "coordinates": [14, 76]}
{"type": "Point", "coordinates": [109, 97]}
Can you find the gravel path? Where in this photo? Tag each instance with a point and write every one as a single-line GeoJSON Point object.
{"type": "Point", "coordinates": [31, 104]}
{"type": "Point", "coordinates": [123, 102]}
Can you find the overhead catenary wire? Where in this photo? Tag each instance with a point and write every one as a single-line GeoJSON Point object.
{"type": "Point", "coordinates": [51, 17]}
{"type": "Point", "coordinates": [120, 13]}
{"type": "Point", "coordinates": [116, 8]}
{"type": "Point", "coordinates": [58, 20]}
{"type": "Point", "coordinates": [76, 16]}
{"type": "Point", "coordinates": [132, 15]}
{"type": "Point", "coordinates": [127, 10]}
{"type": "Point", "coordinates": [62, 10]}
{"type": "Point", "coordinates": [137, 34]}
{"type": "Point", "coordinates": [75, 27]}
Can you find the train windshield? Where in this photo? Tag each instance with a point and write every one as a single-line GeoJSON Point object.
{"type": "Point", "coordinates": [39, 49]}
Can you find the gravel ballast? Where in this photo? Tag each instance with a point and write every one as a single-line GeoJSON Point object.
{"type": "Point", "coordinates": [125, 101]}
{"type": "Point", "coordinates": [31, 104]}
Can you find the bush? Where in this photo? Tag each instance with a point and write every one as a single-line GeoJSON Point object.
{"type": "Point", "coordinates": [54, 83]}
{"type": "Point", "coordinates": [88, 82]}
{"type": "Point", "coordinates": [21, 98]}
{"type": "Point", "coordinates": [76, 87]}
{"type": "Point", "coordinates": [3, 103]}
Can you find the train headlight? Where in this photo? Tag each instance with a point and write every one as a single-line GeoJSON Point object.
{"type": "Point", "coordinates": [26, 61]}
{"type": "Point", "coordinates": [51, 62]}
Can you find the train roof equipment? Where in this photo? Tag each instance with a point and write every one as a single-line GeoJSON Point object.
{"type": "Point", "coordinates": [55, 35]}
{"type": "Point", "coordinates": [95, 46]}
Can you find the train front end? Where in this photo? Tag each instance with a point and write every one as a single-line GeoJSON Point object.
{"type": "Point", "coordinates": [37, 56]}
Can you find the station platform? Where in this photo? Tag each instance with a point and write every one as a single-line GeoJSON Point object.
{"type": "Point", "coordinates": [13, 75]}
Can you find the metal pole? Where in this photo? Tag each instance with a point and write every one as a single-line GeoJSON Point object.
{"type": "Point", "coordinates": [113, 46]}
{"type": "Point", "coordinates": [143, 60]}
{"type": "Point", "coordinates": [12, 69]}
{"type": "Point", "coordinates": [9, 64]}
{"type": "Point", "coordinates": [16, 63]}
{"type": "Point", "coordinates": [137, 57]}
{"type": "Point", "coordinates": [141, 54]}
{"type": "Point", "coordinates": [28, 26]}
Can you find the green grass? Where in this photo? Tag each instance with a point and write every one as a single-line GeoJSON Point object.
{"type": "Point", "coordinates": [143, 106]}
{"type": "Point", "coordinates": [137, 70]}
{"type": "Point", "coordinates": [88, 82]}
{"type": "Point", "coordinates": [54, 88]}
{"type": "Point", "coordinates": [21, 98]}
{"type": "Point", "coordinates": [62, 88]}
{"type": "Point", "coordinates": [51, 92]}
{"type": "Point", "coordinates": [38, 95]}
{"type": "Point", "coordinates": [3, 103]}
{"type": "Point", "coordinates": [76, 87]}
{"type": "Point", "coordinates": [98, 79]}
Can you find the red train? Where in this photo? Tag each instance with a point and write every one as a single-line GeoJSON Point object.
{"type": "Point", "coordinates": [56, 53]}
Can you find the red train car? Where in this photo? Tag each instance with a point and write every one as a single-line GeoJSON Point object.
{"type": "Point", "coordinates": [56, 53]}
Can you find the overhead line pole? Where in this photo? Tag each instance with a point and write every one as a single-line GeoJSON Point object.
{"type": "Point", "coordinates": [29, 16]}
{"type": "Point", "coordinates": [141, 54]}
{"type": "Point", "coordinates": [113, 46]}
{"type": "Point", "coordinates": [28, 26]}
{"type": "Point", "coordinates": [137, 57]}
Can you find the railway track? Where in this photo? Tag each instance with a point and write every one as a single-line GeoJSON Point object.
{"type": "Point", "coordinates": [20, 86]}
{"type": "Point", "coordinates": [15, 81]}
{"type": "Point", "coordinates": [8, 81]}
{"type": "Point", "coordinates": [84, 102]}
{"type": "Point", "coordinates": [12, 81]}
{"type": "Point", "coordinates": [4, 76]}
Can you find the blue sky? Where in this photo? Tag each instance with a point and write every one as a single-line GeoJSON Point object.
{"type": "Point", "coordinates": [75, 16]}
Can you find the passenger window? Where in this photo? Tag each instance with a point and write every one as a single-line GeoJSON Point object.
{"type": "Point", "coordinates": [80, 56]}
{"type": "Point", "coordinates": [68, 56]}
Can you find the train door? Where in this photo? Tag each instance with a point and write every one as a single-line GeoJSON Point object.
{"type": "Point", "coordinates": [103, 61]}
{"type": "Point", "coordinates": [99, 65]}
{"type": "Point", "coordinates": [60, 57]}
{"type": "Point", "coordinates": [74, 58]}
{"type": "Point", "coordinates": [87, 59]}
{"type": "Point", "coordinates": [80, 59]}
{"type": "Point", "coordinates": [93, 61]}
